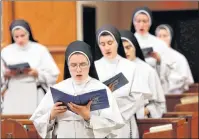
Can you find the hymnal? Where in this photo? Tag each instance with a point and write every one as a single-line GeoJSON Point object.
{"type": "Point", "coordinates": [147, 51]}
{"type": "Point", "coordinates": [18, 67]}
{"type": "Point", "coordinates": [116, 81]}
{"type": "Point", "coordinates": [99, 98]}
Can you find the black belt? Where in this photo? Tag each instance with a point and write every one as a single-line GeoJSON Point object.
{"type": "Point", "coordinates": [40, 87]}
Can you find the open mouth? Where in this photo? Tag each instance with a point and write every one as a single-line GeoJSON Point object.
{"type": "Point", "coordinates": [108, 53]}
{"type": "Point", "coordinates": [141, 30]}
{"type": "Point", "coordinates": [79, 75]}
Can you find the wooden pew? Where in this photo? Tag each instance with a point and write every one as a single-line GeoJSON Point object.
{"type": "Point", "coordinates": [27, 124]}
{"type": "Point", "coordinates": [12, 129]}
{"type": "Point", "coordinates": [192, 121]}
{"type": "Point", "coordinates": [178, 125]}
{"type": "Point", "coordinates": [173, 99]}
{"type": "Point", "coordinates": [169, 134]}
{"type": "Point", "coordinates": [5, 116]}
{"type": "Point", "coordinates": [194, 88]}
{"type": "Point", "coordinates": [192, 107]}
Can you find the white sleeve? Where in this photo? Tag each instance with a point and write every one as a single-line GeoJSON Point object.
{"type": "Point", "coordinates": [41, 117]}
{"type": "Point", "coordinates": [48, 70]}
{"type": "Point", "coordinates": [107, 120]}
{"type": "Point", "coordinates": [156, 109]}
{"type": "Point", "coordinates": [4, 82]}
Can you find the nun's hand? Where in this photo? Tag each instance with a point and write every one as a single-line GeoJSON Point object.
{"type": "Point", "coordinates": [111, 86]}
{"type": "Point", "coordinates": [10, 73]}
{"type": "Point", "coordinates": [83, 111]}
{"type": "Point", "coordinates": [146, 112]}
{"type": "Point", "coordinates": [156, 56]}
{"type": "Point", "coordinates": [57, 110]}
{"type": "Point", "coordinates": [31, 72]}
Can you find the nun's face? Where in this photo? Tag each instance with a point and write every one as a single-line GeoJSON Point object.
{"type": "Point", "coordinates": [129, 50]}
{"type": "Point", "coordinates": [79, 67]}
{"type": "Point", "coordinates": [20, 37]}
{"type": "Point", "coordinates": [164, 35]}
{"type": "Point", "coordinates": [108, 46]}
{"type": "Point", "coordinates": [141, 23]}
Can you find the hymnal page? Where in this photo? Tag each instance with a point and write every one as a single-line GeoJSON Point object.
{"type": "Point", "coordinates": [99, 98]}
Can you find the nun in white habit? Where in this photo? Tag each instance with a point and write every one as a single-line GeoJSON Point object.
{"type": "Point", "coordinates": [178, 75]}
{"type": "Point", "coordinates": [156, 105]}
{"type": "Point", "coordinates": [3, 84]}
{"type": "Point", "coordinates": [142, 20]}
{"type": "Point", "coordinates": [26, 88]}
{"type": "Point", "coordinates": [3, 80]}
{"type": "Point", "coordinates": [51, 119]}
{"type": "Point", "coordinates": [110, 61]}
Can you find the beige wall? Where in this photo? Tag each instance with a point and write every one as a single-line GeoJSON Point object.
{"type": "Point", "coordinates": [106, 13]}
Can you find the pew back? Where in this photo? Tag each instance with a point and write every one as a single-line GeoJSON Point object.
{"type": "Point", "coordinates": [169, 134]}
{"type": "Point", "coordinates": [173, 99]}
{"type": "Point", "coordinates": [12, 129]}
{"type": "Point", "coordinates": [178, 125]}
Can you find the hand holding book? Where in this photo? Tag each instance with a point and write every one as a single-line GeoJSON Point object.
{"type": "Point", "coordinates": [156, 56]}
{"type": "Point", "coordinates": [111, 87]}
{"type": "Point", "coordinates": [83, 111]}
{"type": "Point", "coordinates": [57, 110]}
{"type": "Point", "coordinates": [98, 98]}
{"type": "Point", "coordinates": [10, 73]}
{"type": "Point", "coordinates": [16, 69]}
{"type": "Point", "coordinates": [116, 82]}
{"type": "Point", "coordinates": [147, 51]}
{"type": "Point", "coordinates": [30, 72]}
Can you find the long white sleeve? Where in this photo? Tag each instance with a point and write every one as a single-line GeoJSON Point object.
{"type": "Point", "coordinates": [48, 70]}
{"type": "Point", "coordinates": [107, 120]}
{"type": "Point", "coordinates": [41, 116]}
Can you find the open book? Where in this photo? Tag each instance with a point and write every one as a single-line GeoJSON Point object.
{"type": "Point", "coordinates": [99, 98]}
{"type": "Point", "coordinates": [116, 81]}
{"type": "Point", "coordinates": [147, 51]}
{"type": "Point", "coordinates": [18, 67]}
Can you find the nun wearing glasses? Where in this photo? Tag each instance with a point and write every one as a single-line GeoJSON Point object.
{"type": "Point", "coordinates": [51, 119]}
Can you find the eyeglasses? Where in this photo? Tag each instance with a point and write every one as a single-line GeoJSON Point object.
{"type": "Point", "coordinates": [74, 66]}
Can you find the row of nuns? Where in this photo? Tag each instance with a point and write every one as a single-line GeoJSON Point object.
{"type": "Point", "coordinates": [86, 69]}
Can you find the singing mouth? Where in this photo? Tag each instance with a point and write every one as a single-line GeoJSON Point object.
{"type": "Point", "coordinates": [108, 53]}
{"type": "Point", "coordinates": [142, 30]}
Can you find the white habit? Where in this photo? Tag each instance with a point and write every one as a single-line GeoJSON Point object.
{"type": "Point", "coordinates": [70, 125]}
{"type": "Point", "coordinates": [130, 97]}
{"type": "Point", "coordinates": [178, 76]}
{"type": "Point", "coordinates": [22, 96]}
{"type": "Point", "coordinates": [161, 48]}
{"type": "Point", "coordinates": [156, 104]}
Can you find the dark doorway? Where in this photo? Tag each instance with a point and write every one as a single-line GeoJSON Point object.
{"type": "Point", "coordinates": [89, 25]}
